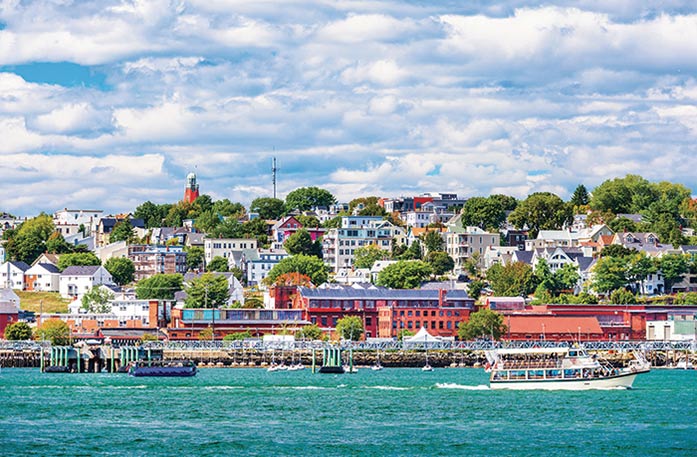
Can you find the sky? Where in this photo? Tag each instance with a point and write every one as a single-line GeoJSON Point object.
{"type": "Point", "coordinates": [107, 104]}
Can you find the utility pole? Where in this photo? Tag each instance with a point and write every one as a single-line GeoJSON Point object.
{"type": "Point", "coordinates": [273, 174]}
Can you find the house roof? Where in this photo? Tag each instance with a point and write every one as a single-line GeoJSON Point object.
{"type": "Point", "coordinates": [8, 308]}
{"type": "Point", "coordinates": [81, 270]}
{"type": "Point", "coordinates": [523, 256]}
{"type": "Point", "coordinates": [51, 268]}
{"type": "Point", "coordinates": [50, 258]}
{"type": "Point", "coordinates": [552, 324]}
{"type": "Point", "coordinates": [379, 294]}
{"type": "Point", "coordinates": [110, 222]}
{"type": "Point", "coordinates": [19, 264]}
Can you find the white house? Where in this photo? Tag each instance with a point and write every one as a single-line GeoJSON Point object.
{"type": "Point", "coordinates": [258, 268]}
{"type": "Point", "coordinates": [44, 277]}
{"type": "Point", "coordinates": [12, 274]}
{"type": "Point", "coordinates": [232, 249]}
{"type": "Point", "coordinates": [75, 281]}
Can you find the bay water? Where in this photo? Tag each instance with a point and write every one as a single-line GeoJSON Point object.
{"type": "Point", "coordinates": [394, 412]}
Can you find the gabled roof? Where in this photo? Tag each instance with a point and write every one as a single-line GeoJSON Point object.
{"type": "Point", "coordinates": [81, 270]}
{"type": "Point", "coordinates": [19, 265]}
{"type": "Point", "coordinates": [49, 267]}
{"type": "Point", "coordinates": [523, 256]}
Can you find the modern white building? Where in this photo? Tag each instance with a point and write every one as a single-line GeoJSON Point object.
{"type": "Point", "coordinates": [75, 281]}
{"type": "Point", "coordinates": [232, 249]}
{"type": "Point", "coordinates": [68, 221]}
{"type": "Point", "coordinates": [258, 267]}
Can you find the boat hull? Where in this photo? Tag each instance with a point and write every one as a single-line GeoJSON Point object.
{"type": "Point", "coordinates": [621, 381]}
{"type": "Point", "coordinates": [332, 370]}
{"type": "Point", "coordinates": [175, 372]}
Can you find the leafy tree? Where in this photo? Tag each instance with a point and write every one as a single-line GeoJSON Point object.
{"type": "Point", "coordinates": [622, 297]}
{"type": "Point", "coordinates": [304, 264]}
{"type": "Point", "coordinates": [583, 298]}
{"type": "Point", "coordinates": [308, 221]}
{"type": "Point", "coordinates": [306, 198]}
{"type": "Point", "coordinates": [599, 217]}
{"type": "Point", "coordinates": [56, 244]}
{"type": "Point", "coordinates": [301, 242]}
{"type": "Point", "coordinates": [541, 211]}
{"type": "Point", "coordinates": [238, 273]}
{"type": "Point", "coordinates": [55, 331]}
{"type": "Point", "coordinates": [622, 224]}
{"type": "Point", "coordinates": [229, 228]}
{"type": "Point", "coordinates": [350, 328]}
{"type": "Point", "coordinates": [474, 289]}
{"type": "Point", "coordinates": [639, 267]}
{"type": "Point", "coordinates": [580, 196]}
{"type": "Point", "coordinates": [507, 202]}
{"type": "Point", "coordinates": [122, 231]}
{"type": "Point", "coordinates": [513, 279]}
{"type": "Point", "coordinates": [226, 208]}
{"type": "Point", "coordinates": [567, 276]}
{"type": "Point", "coordinates": [207, 221]}
{"type": "Point", "coordinates": [433, 241]}
{"type": "Point", "coordinates": [205, 334]}
{"type": "Point", "coordinates": [482, 212]}
{"type": "Point", "coordinates": [485, 323]}
{"type": "Point", "coordinates": [310, 332]}
{"type": "Point", "coordinates": [96, 300]}
{"type": "Point", "coordinates": [396, 250]}
{"type": "Point", "coordinates": [689, 298]}
{"type": "Point", "coordinates": [688, 210]}
{"type": "Point", "coordinates": [218, 264]}
{"type": "Point", "coordinates": [77, 259]}
{"type": "Point", "coordinates": [440, 262]}
{"type": "Point", "coordinates": [121, 269]}
{"type": "Point", "coordinates": [404, 333]}
{"type": "Point", "coordinates": [28, 241]}
{"type": "Point", "coordinates": [366, 256]}
{"type": "Point", "coordinates": [207, 291]}
{"type": "Point", "coordinates": [413, 252]}
{"type": "Point", "coordinates": [237, 336]}
{"type": "Point", "coordinates": [617, 250]}
{"type": "Point", "coordinates": [153, 215]}
{"type": "Point", "coordinates": [293, 279]}
{"type": "Point", "coordinates": [404, 274]}
{"type": "Point", "coordinates": [160, 287]}
{"type": "Point", "coordinates": [610, 273]}
{"type": "Point", "coordinates": [268, 208]}
{"type": "Point", "coordinates": [18, 331]}
{"type": "Point", "coordinates": [368, 206]}
{"type": "Point", "coordinates": [673, 267]}
{"type": "Point", "coordinates": [176, 214]}
{"type": "Point", "coordinates": [334, 222]}
{"type": "Point", "coordinates": [194, 258]}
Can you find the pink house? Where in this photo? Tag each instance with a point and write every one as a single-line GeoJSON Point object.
{"type": "Point", "coordinates": [289, 225]}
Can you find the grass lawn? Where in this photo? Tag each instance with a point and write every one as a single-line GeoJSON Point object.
{"type": "Point", "coordinates": [52, 301]}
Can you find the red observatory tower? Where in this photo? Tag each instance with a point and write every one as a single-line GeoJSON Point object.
{"type": "Point", "coordinates": [191, 191]}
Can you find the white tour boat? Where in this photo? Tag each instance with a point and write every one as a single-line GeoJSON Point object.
{"type": "Point", "coordinates": [559, 368]}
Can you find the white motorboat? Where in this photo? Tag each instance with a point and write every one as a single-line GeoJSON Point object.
{"type": "Point", "coordinates": [427, 367]}
{"type": "Point", "coordinates": [376, 367]}
{"type": "Point", "coordinates": [560, 368]}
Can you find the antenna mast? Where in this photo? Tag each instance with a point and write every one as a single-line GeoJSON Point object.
{"type": "Point", "coordinates": [273, 174]}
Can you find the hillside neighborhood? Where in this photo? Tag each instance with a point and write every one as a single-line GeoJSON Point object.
{"type": "Point", "coordinates": [619, 262]}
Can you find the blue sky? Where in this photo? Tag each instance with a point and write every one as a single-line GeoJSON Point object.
{"type": "Point", "coordinates": [111, 103]}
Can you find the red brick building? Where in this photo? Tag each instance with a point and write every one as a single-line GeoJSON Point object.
{"type": "Point", "coordinates": [9, 314]}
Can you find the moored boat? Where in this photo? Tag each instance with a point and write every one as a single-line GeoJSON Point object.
{"type": "Point", "coordinates": [560, 368]}
{"type": "Point", "coordinates": [162, 368]}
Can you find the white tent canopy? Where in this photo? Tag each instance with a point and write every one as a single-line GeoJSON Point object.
{"type": "Point", "coordinates": [422, 336]}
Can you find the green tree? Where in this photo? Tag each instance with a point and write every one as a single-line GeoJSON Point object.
{"type": "Point", "coordinates": [673, 267]}
{"type": "Point", "coordinates": [366, 256]}
{"type": "Point", "coordinates": [54, 331]}
{"type": "Point", "coordinates": [306, 198]}
{"type": "Point", "coordinates": [617, 250]}
{"type": "Point", "coordinates": [541, 211]}
{"type": "Point", "coordinates": [77, 259]}
{"type": "Point", "coordinates": [405, 274]}
{"type": "Point", "coordinates": [229, 228]}
{"type": "Point", "coordinates": [310, 332]}
{"type": "Point", "coordinates": [334, 222]}
{"type": "Point", "coordinates": [567, 277]}
{"type": "Point", "coordinates": [56, 244]}
{"type": "Point", "coordinates": [639, 267]}
{"type": "Point", "coordinates": [507, 202]}
{"type": "Point", "coordinates": [176, 214]}
{"type": "Point", "coordinates": [194, 258]}
{"type": "Point", "coordinates": [580, 196]}
{"type": "Point", "coordinates": [238, 273]}
{"type": "Point", "coordinates": [301, 242]}
{"type": "Point", "coordinates": [208, 291]}
{"type": "Point", "coordinates": [622, 224]}
{"type": "Point", "coordinates": [96, 300]}
{"type": "Point", "coordinates": [218, 264]}
{"type": "Point", "coordinates": [482, 212]}
{"type": "Point", "coordinates": [413, 252]}
{"type": "Point", "coordinates": [18, 331]}
{"type": "Point", "coordinates": [308, 265]}
{"type": "Point", "coordinates": [404, 333]}
{"type": "Point", "coordinates": [485, 323]}
{"type": "Point", "coordinates": [368, 206]}
{"type": "Point", "coordinates": [207, 221]}
{"type": "Point", "coordinates": [268, 208]}
{"type": "Point", "coordinates": [237, 336]}
{"type": "Point", "coordinates": [474, 289]}
{"type": "Point", "coordinates": [122, 231]}
{"type": "Point", "coordinates": [610, 273]}
{"type": "Point", "coordinates": [121, 269]}
{"type": "Point", "coordinates": [28, 241]}
{"type": "Point", "coordinates": [513, 279]}
{"type": "Point", "coordinates": [159, 287]}
{"type": "Point", "coordinates": [433, 241]}
{"type": "Point", "coordinates": [226, 208]}
{"type": "Point", "coordinates": [307, 221]}
{"type": "Point", "coordinates": [350, 328]}
{"type": "Point", "coordinates": [153, 215]}
{"type": "Point", "coordinates": [630, 194]}
{"type": "Point", "coordinates": [440, 262]}
{"type": "Point", "coordinates": [622, 297]}
{"type": "Point", "coordinates": [689, 298]}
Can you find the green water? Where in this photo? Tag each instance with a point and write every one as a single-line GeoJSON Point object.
{"type": "Point", "coordinates": [390, 412]}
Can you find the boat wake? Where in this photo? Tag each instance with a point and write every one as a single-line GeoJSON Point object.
{"type": "Point", "coordinates": [450, 385]}
{"type": "Point", "coordinates": [223, 387]}
{"type": "Point", "coordinates": [387, 388]}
